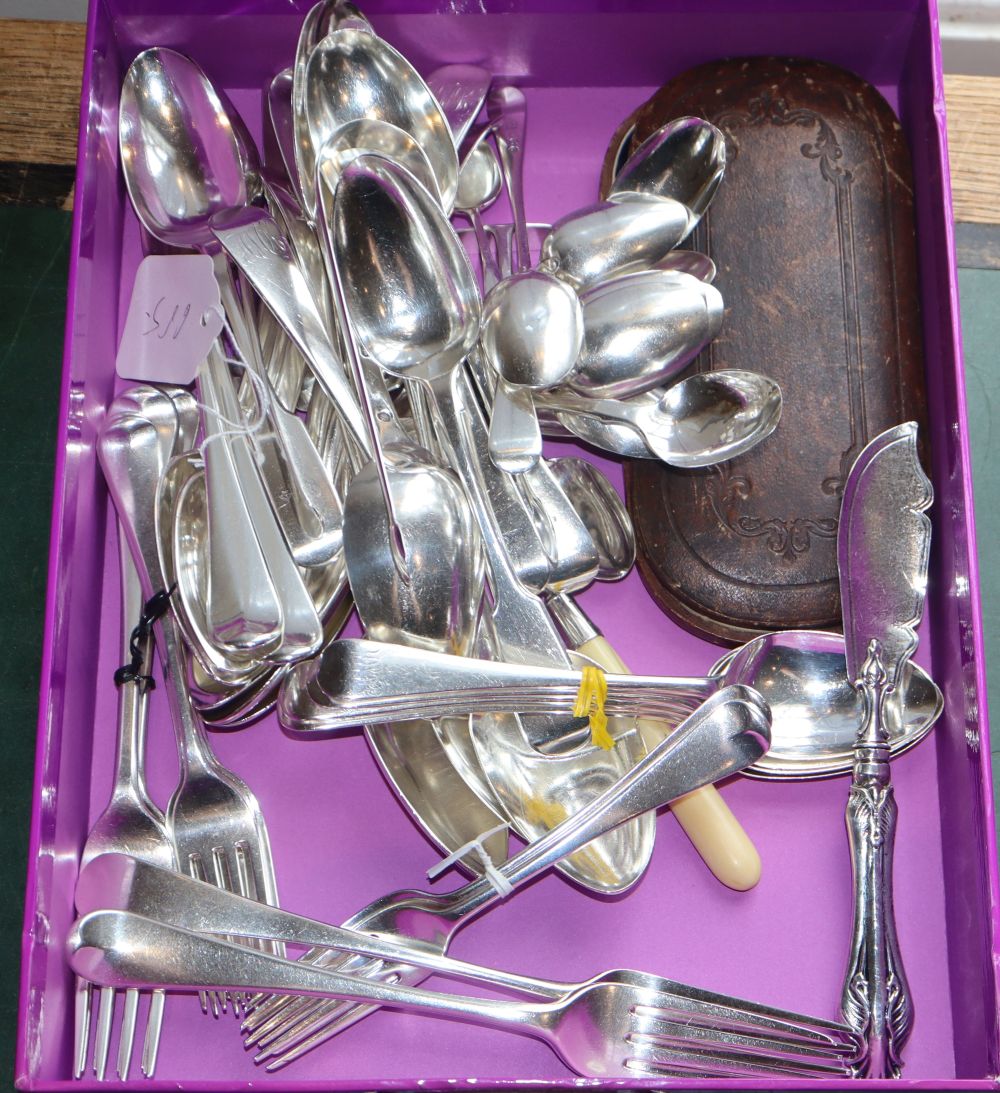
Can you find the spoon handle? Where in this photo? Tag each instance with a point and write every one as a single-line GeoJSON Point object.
{"type": "Point", "coordinates": [515, 436]}
{"type": "Point", "coordinates": [728, 732]}
{"type": "Point", "coordinates": [244, 612]}
{"type": "Point", "coordinates": [253, 240]}
{"type": "Point", "coordinates": [506, 109]}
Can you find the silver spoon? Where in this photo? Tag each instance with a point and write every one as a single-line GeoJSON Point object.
{"type": "Point", "coordinates": [279, 127]}
{"type": "Point", "coordinates": [532, 323]}
{"type": "Point", "coordinates": [376, 137]}
{"type": "Point", "coordinates": [398, 249]}
{"type": "Point", "coordinates": [705, 419]}
{"type": "Point", "coordinates": [352, 74]}
{"type": "Point", "coordinates": [168, 103]}
{"type": "Point", "coordinates": [688, 261]}
{"type": "Point", "coordinates": [669, 317]}
{"type": "Point", "coordinates": [704, 815]}
{"type": "Point", "coordinates": [385, 229]}
{"type": "Point", "coordinates": [320, 20]}
{"type": "Point", "coordinates": [684, 160]}
{"type": "Point", "coordinates": [613, 237]}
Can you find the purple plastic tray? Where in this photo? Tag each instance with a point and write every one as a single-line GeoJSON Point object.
{"type": "Point", "coordinates": [340, 837]}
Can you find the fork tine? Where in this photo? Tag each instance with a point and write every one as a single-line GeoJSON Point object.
{"type": "Point", "coordinates": [154, 1024]}
{"type": "Point", "coordinates": [653, 1060]}
{"type": "Point", "coordinates": [674, 1034]}
{"type": "Point", "coordinates": [306, 1015]}
{"type": "Point", "coordinates": [680, 1000]}
{"type": "Point", "coordinates": [81, 1027]}
{"type": "Point", "coordinates": [127, 1036]}
{"type": "Point", "coordinates": [102, 1041]}
{"type": "Point", "coordinates": [345, 1015]}
{"type": "Point", "coordinates": [196, 868]}
{"type": "Point", "coordinates": [679, 1011]}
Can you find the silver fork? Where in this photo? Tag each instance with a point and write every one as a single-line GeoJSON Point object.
{"type": "Point", "coordinates": [615, 1025]}
{"type": "Point", "coordinates": [718, 739]}
{"type": "Point", "coordinates": [132, 824]}
{"type": "Point", "coordinates": [215, 820]}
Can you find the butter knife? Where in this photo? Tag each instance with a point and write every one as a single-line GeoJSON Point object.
{"type": "Point", "coordinates": [882, 552]}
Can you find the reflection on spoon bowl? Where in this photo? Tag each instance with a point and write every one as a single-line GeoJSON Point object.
{"type": "Point", "coordinates": [816, 711]}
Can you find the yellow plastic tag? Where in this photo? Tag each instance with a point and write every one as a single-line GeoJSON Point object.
{"type": "Point", "coordinates": [590, 700]}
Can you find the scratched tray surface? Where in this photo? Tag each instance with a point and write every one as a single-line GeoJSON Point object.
{"type": "Point", "coordinates": [340, 838]}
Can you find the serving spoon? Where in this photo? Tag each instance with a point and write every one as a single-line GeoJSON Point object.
{"type": "Point", "coordinates": [532, 322]}
{"type": "Point", "coordinates": [353, 74]}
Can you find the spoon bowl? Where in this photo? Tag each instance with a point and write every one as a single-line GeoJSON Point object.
{"type": "Point", "coordinates": [532, 329]}
{"type": "Point", "coordinates": [353, 74]}
{"type": "Point", "coordinates": [370, 136]}
{"type": "Point", "coordinates": [714, 416]}
{"type": "Point", "coordinates": [184, 156]}
{"type": "Point", "coordinates": [436, 605]}
{"type": "Point", "coordinates": [641, 330]}
{"type": "Point", "coordinates": [684, 160]}
{"type": "Point", "coordinates": [409, 284]}
{"type": "Point", "coordinates": [816, 711]}
{"type": "Point", "coordinates": [602, 512]}
{"type": "Point", "coordinates": [613, 237]}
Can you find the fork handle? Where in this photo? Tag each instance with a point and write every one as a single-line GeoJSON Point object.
{"type": "Point", "coordinates": [119, 949]}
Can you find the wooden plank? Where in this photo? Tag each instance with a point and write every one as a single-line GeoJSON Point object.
{"type": "Point", "coordinates": [973, 104]}
{"type": "Point", "coordinates": [41, 65]}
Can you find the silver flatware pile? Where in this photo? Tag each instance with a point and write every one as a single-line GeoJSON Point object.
{"type": "Point", "coordinates": [366, 433]}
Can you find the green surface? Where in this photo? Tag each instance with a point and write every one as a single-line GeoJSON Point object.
{"type": "Point", "coordinates": [980, 292]}
{"type": "Point", "coordinates": [34, 260]}
{"type": "Point", "coordinates": [33, 271]}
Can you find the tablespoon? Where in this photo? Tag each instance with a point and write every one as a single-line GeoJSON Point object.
{"type": "Point", "coordinates": [199, 195]}
{"type": "Point", "coordinates": [613, 237]}
{"type": "Point", "coordinates": [705, 817]}
{"type": "Point", "coordinates": [815, 712]}
{"type": "Point", "coordinates": [702, 420]}
{"type": "Point", "coordinates": [386, 226]}
{"type": "Point", "coordinates": [641, 330]}
{"type": "Point", "coordinates": [279, 135]}
{"type": "Point", "coordinates": [182, 534]}
{"type": "Point", "coordinates": [320, 20]}
{"type": "Point", "coordinates": [352, 74]}
{"type": "Point", "coordinates": [372, 136]}
{"type": "Point", "coordinates": [389, 233]}
{"type": "Point", "coordinates": [684, 160]}
{"type": "Point", "coordinates": [301, 630]}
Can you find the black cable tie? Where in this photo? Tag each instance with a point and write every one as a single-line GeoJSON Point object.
{"type": "Point", "coordinates": [154, 608]}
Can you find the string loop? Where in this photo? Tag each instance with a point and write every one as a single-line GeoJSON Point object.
{"type": "Point", "coordinates": [153, 609]}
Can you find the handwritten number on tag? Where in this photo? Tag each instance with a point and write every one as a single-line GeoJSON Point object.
{"type": "Point", "coordinates": [173, 318]}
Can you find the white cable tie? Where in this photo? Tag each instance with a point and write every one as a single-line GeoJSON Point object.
{"type": "Point", "coordinates": [237, 428]}
{"type": "Point", "coordinates": [490, 871]}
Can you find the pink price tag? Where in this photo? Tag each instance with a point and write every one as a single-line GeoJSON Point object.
{"type": "Point", "coordinates": [173, 318]}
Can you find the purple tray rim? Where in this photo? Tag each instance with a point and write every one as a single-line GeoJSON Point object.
{"type": "Point", "coordinates": [48, 684]}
